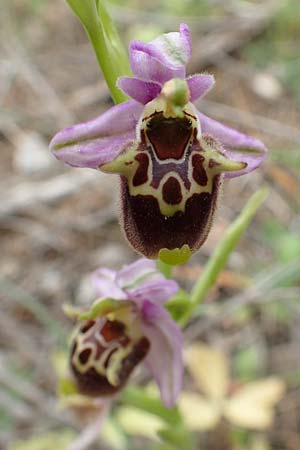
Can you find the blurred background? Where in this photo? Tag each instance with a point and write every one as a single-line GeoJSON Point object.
{"type": "Point", "coordinates": [58, 224]}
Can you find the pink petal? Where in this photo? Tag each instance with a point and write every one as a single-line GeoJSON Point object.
{"type": "Point", "coordinates": [158, 290]}
{"type": "Point", "coordinates": [238, 146]}
{"type": "Point", "coordinates": [141, 281]}
{"type": "Point", "coordinates": [131, 274]}
{"type": "Point", "coordinates": [104, 283]}
{"type": "Point", "coordinates": [185, 41]}
{"type": "Point", "coordinates": [98, 141]}
{"type": "Point", "coordinates": [163, 58]}
{"type": "Point", "coordinates": [200, 85]}
{"type": "Point", "coordinates": [165, 356]}
{"type": "Point", "coordinates": [140, 90]}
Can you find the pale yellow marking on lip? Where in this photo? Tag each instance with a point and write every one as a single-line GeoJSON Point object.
{"type": "Point", "coordinates": [126, 164]}
{"type": "Point", "coordinates": [165, 208]}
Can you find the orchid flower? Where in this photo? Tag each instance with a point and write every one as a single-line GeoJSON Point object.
{"type": "Point", "coordinates": [172, 159]}
{"type": "Point", "coordinates": [126, 324]}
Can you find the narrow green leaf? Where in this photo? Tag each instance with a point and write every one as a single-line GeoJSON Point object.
{"type": "Point", "coordinates": [221, 254]}
{"type": "Point", "coordinates": [179, 438]}
{"type": "Point", "coordinates": [137, 397]}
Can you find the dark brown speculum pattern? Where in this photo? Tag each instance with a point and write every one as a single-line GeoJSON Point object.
{"type": "Point", "coordinates": [102, 351]}
{"type": "Point", "coordinates": [171, 198]}
{"type": "Point", "coordinates": [149, 231]}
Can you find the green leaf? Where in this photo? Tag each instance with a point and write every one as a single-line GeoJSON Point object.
{"type": "Point", "coordinates": [221, 254]}
{"type": "Point", "coordinates": [114, 436]}
{"type": "Point", "coordinates": [178, 438]}
{"type": "Point", "coordinates": [145, 401]}
{"type": "Point", "coordinates": [139, 423]}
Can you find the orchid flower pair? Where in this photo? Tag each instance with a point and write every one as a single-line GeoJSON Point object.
{"type": "Point", "coordinates": [172, 159]}
{"type": "Point", "coordinates": [126, 324]}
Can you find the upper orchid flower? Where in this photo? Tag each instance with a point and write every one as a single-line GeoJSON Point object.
{"type": "Point", "coordinates": [126, 324]}
{"type": "Point", "coordinates": [172, 158]}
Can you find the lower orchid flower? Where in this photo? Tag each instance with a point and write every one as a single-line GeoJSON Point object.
{"type": "Point", "coordinates": [172, 159]}
{"type": "Point", "coordinates": [126, 324]}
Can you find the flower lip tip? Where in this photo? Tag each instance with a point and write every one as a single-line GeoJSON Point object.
{"type": "Point", "coordinates": [175, 256]}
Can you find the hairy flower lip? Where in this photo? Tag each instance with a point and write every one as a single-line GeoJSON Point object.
{"type": "Point", "coordinates": [103, 356]}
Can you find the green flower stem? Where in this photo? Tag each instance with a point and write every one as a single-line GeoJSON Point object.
{"type": "Point", "coordinates": [178, 438]}
{"type": "Point", "coordinates": [219, 258]}
{"type": "Point", "coordinates": [111, 54]}
{"type": "Point", "coordinates": [175, 434]}
{"type": "Point", "coordinates": [164, 268]}
{"type": "Point", "coordinates": [140, 399]}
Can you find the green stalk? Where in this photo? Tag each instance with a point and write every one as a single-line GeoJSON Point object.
{"type": "Point", "coordinates": [164, 268]}
{"type": "Point", "coordinates": [175, 433]}
{"type": "Point", "coordinates": [221, 254]}
{"type": "Point", "coordinates": [140, 399]}
{"type": "Point", "coordinates": [111, 54]}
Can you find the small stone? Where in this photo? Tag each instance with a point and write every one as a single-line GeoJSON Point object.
{"type": "Point", "coordinates": [267, 86]}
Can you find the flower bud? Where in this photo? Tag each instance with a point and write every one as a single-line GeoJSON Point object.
{"type": "Point", "coordinates": [104, 354]}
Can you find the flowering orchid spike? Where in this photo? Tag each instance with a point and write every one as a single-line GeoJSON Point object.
{"type": "Point", "coordinates": [172, 159]}
{"type": "Point", "coordinates": [116, 334]}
